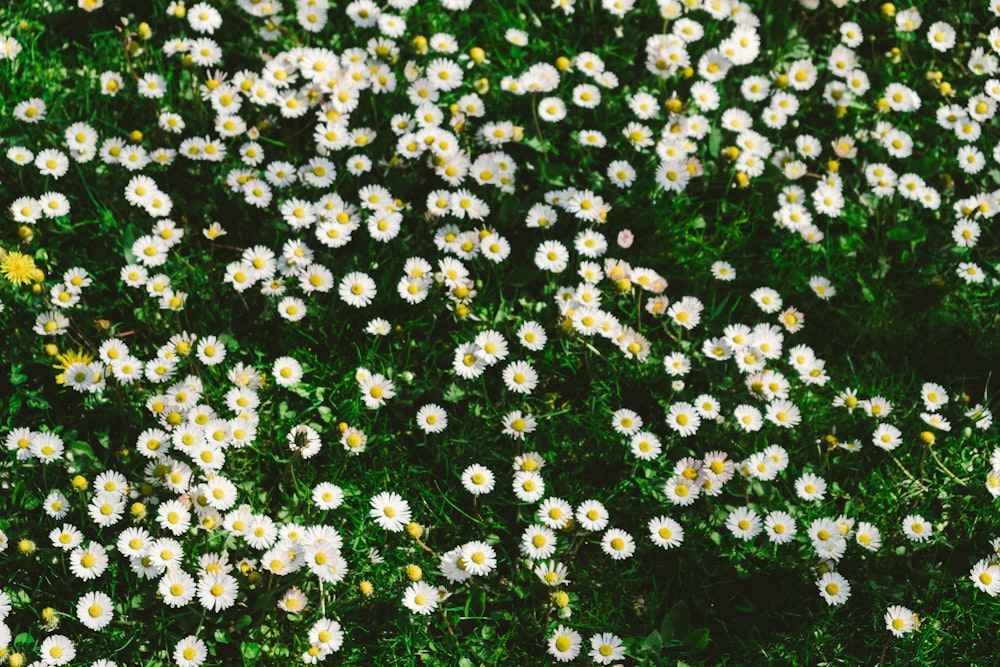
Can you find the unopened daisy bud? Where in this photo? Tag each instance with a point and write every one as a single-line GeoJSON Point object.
{"type": "Point", "coordinates": [16, 660]}
{"type": "Point", "coordinates": [833, 166]}
{"type": "Point", "coordinates": [781, 81]}
{"type": "Point", "coordinates": [687, 72]}
{"type": "Point", "coordinates": [138, 510]}
{"type": "Point", "coordinates": [26, 546]}
{"type": "Point", "coordinates": [414, 530]}
{"type": "Point", "coordinates": [624, 285]}
{"type": "Point", "coordinates": [145, 32]}
{"type": "Point", "coordinates": [342, 427]}
{"type": "Point", "coordinates": [25, 233]}
{"type": "Point", "coordinates": [561, 599]}
{"type": "Point", "coordinates": [254, 577]}
{"type": "Point", "coordinates": [742, 180]}
{"type": "Point", "coordinates": [945, 89]}
{"type": "Point", "coordinates": [518, 133]}
{"type": "Point", "coordinates": [366, 587]}
{"type": "Point", "coordinates": [888, 10]}
{"type": "Point", "coordinates": [883, 105]}
{"type": "Point", "coordinates": [477, 54]}
{"type": "Point", "coordinates": [461, 310]}
{"type": "Point", "coordinates": [414, 573]}
{"type": "Point", "coordinates": [51, 349]}
{"type": "Point", "coordinates": [420, 44]}
{"type": "Point", "coordinates": [482, 85]}
{"type": "Point", "coordinates": [927, 437]}
{"type": "Point", "coordinates": [674, 105]}
{"type": "Point", "coordinates": [562, 63]}
{"type": "Point", "coordinates": [36, 289]}
{"type": "Point", "coordinates": [79, 483]}
{"type": "Point", "coordinates": [135, 135]}
{"type": "Point", "coordinates": [731, 153]}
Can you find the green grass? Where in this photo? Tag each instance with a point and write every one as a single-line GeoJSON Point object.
{"type": "Point", "coordinates": [902, 317]}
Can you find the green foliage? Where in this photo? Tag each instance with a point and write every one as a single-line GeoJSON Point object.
{"type": "Point", "coordinates": [313, 373]}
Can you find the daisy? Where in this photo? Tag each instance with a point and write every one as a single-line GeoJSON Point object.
{"type": "Point", "coordinates": [190, 652]}
{"type": "Point", "coordinates": [88, 562]}
{"type": "Point", "coordinates": [564, 644]}
{"type": "Point", "coordinates": [917, 529]}
{"type": "Point", "coordinates": [538, 542]}
{"type": "Point", "coordinates": [780, 527]}
{"type": "Point", "coordinates": [95, 610]}
{"type": "Point", "coordinates": [748, 418]}
{"type": "Point", "coordinates": [665, 532]}
{"type": "Point", "coordinates": [390, 511]}
{"type": "Point", "coordinates": [357, 289]}
{"type": "Point", "coordinates": [57, 650]}
{"type": "Point", "coordinates": [327, 496]}
{"type": "Point", "coordinates": [479, 558]}
{"type": "Point", "coordinates": [744, 523]}
{"type": "Point", "coordinates": [626, 422]}
{"type": "Point", "coordinates": [684, 419]}
{"type": "Point", "coordinates": [592, 515]}
{"type": "Point", "coordinates": [528, 486]}
{"type": "Point", "coordinates": [376, 390]}
{"type": "Point", "coordinates": [645, 446]}
{"type": "Point", "coordinates": [900, 620]}
{"type": "Point", "coordinates": [552, 573]}
{"type": "Point", "coordinates": [217, 592]}
{"type": "Point", "coordinates": [868, 536]}
{"type": "Point", "coordinates": [432, 418]}
{"type": "Point", "coordinates": [936, 421]}
{"type": "Point", "coordinates": [680, 490]}
{"type": "Point", "coordinates": [552, 256]}
{"type": "Point", "coordinates": [327, 633]}
{"type": "Point", "coordinates": [783, 413]}
{"type": "Point", "coordinates": [520, 377]}
{"type": "Point", "coordinates": [767, 299]}
{"type": "Point", "coordinates": [676, 364]}
{"type": "Point", "coordinates": [877, 407]}
{"type": "Point", "coordinates": [986, 577]}
{"type": "Point", "coordinates": [67, 537]}
{"type": "Point", "coordinates": [516, 424]}
{"type": "Point", "coordinates": [420, 598]}
{"type": "Point", "coordinates": [887, 437]}
{"type": "Point", "coordinates": [478, 479]}
{"type": "Point", "coordinates": [606, 648]}
{"type": "Point", "coordinates": [287, 372]}
{"type": "Point", "coordinates": [810, 487]}
{"type": "Point", "coordinates": [532, 336]}
{"type": "Point", "coordinates": [834, 588]}
{"type": "Point", "coordinates": [723, 271]}
{"type": "Point", "coordinates": [555, 513]}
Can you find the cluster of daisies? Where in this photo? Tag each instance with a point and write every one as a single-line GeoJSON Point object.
{"type": "Point", "coordinates": [443, 127]}
{"type": "Point", "coordinates": [183, 491]}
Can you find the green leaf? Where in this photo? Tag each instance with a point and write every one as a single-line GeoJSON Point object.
{"type": "Point", "coordinates": [250, 652]}
{"type": "Point", "coordinates": [715, 142]}
{"type": "Point", "coordinates": [910, 232]}
{"type": "Point", "coordinates": [696, 640]}
{"type": "Point", "coordinates": [16, 376]}
{"type": "Point", "coordinates": [653, 642]}
{"type": "Point", "coordinates": [454, 393]}
{"type": "Point", "coordinates": [475, 606]}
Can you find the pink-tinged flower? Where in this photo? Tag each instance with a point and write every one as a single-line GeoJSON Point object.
{"type": "Point", "coordinates": [625, 238]}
